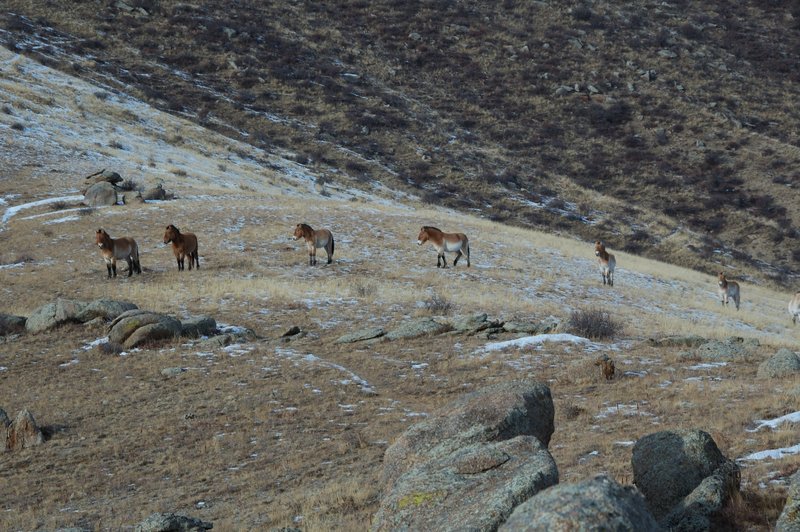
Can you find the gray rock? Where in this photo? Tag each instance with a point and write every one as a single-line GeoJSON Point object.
{"type": "Point", "coordinates": [731, 349]}
{"type": "Point", "coordinates": [23, 432]}
{"type": "Point", "coordinates": [694, 512]}
{"type": "Point", "coordinates": [784, 363]}
{"type": "Point", "coordinates": [416, 328]}
{"type": "Point", "coordinates": [100, 194]}
{"type": "Point", "coordinates": [10, 324]}
{"type": "Point", "coordinates": [789, 521]}
{"type": "Point", "coordinates": [470, 323]}
{"type": "Point", "coordinates": [172, 372]}
{"type": "Point", "coordinates": [104, 176]}
{"type": "Point", "coordinates": [678, 341]}
{"type": "Point", "coordinates": [496, 413]}
{"type": "Point", "coordinates": [197, 326]}
{"type": "Point", "coordinates": [669, 54]}
{"type": "Point", "coordinates": [137, 327]}
{"type": "Point", "coordinates": [4, 420]}
{"type": "Point", "coordinates": [55, 314]}
{"type": "Point", "coordinates": [669, 465]}
{"type": "Point", "coordinates": [106, 309]}
{"type": "Point", "coordinates": [596, 504]}
{"type": "Point", "coordinates": [170, 522]}
{"type": "Point", "coordinates": [220, 340]}
{"type": "Point", "coordinates": [474, 488]}
{"type": "Point", "coordinates": [157, 193]}
{"type": "Point", "coordinates": [360, 336]}
{"type": "Point", "coordinates": [543, 327]}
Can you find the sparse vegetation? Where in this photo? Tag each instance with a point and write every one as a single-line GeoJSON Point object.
{"type": "Point", "coordinates": [594, 323]}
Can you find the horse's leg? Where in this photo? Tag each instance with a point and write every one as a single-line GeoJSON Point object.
{"type": "Point", "coordinates": [108, 267]}
{"type": "Point", "coordinates": [444, 260]}
{"type": "Point", "coordinates": [458, 256]}
{"type": "Point", "coordinates": [467, 255]}
{"type": "Point", "coordinates": [610, 278]}
{"type": "Point", "coordinates": [329, 250]}
{"type": "Point", "coordinates": [114, 266]}
{"type": "Point", "coordinates": [130, 266]}
{"type": "Point", "coordinates": [196, 259]}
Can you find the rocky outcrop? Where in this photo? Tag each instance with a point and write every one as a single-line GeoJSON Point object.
{"type": "Point", "coordinates": [23, 432]}
{"type": "Point", "coordinates": [789, 521]}
{"type": "Point", "coordinates": [139, 327]}
{"type": "Point", "coordinates": [157, 193]}
{"type": "Point", "coordinates": [784, 363]}
{"type": "Point", "coordinates": [678, 341]}
{"type": "Point", "coordinates": [361, 335]}
{"type": "Point", "coordinates": [64, 311]}
{"type": "Point", "coordinates": [198, 326]}
{"type": "Point", "coordinates": [478, 486]}
{"type": "Point", "coordinates": [731, 349]}
{"type": "Point", "coordinates": [100, 194]}
{"type": "Point", "coordinates": [416, 328]}
{"type": "Point", "coordinates": [171, 522]}
{"type": "Point", "coordinates": [542, 327]}
{"type": "Point", "coordinates": [10, 324]}
{"type": "Point", "coordinates": [684, 477]}
{"type": "Point", "coordinates": [496, 413]}
{"type": "Point", "coordinates": [104, 176]}
{"type": "Point", "coordinates": [596, 504]}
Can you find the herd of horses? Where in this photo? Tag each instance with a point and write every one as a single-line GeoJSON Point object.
{"type": "Point", "coordinates": [185, 245]}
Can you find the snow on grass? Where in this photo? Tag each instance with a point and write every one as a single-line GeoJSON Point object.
{"type": "Point", "coordinates": [624, 410]}
{"type": "Point", "coordinates": [794, 417]}
{"type": "Point", "coordinates": [11, 211]}
{"type": "Point", "coordinates": [541, 339]}
{"type": "Point", "coordinates": [774, 454]}
{"type": "Point", "coordinates": [708, 365]}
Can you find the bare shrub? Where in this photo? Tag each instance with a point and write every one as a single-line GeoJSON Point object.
{"type": "Point", "coordinates": [131, 185]}
{"type": "Point", "coordinates": [58, 205]}
{"type": "Point", "coordinates": [438, 304]}
{"type": "Point", "coordinates": [593, 323]}
{"type": "Point", "coordinates": [86, 211]}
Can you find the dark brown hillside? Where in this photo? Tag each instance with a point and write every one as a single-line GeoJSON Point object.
{"type": "Point", "coordinates": [671, 129]}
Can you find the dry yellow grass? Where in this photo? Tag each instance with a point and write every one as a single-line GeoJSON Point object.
{"type": "Point", "coordinates": [263, 435]}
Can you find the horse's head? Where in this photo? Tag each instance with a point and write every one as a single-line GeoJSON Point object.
{"type": "Point", "coordinates": [299, 231]}
{"type": "Point", "coordinates": [170, 234]}
{"type": "Point", "coordinates": [423, 236]}
{"type": "Point", "coordinates": [599, 248]}
{"type": "Point", "coordinates": [102, 239]}
{"type": "Point", "coordinates": [722, 280]}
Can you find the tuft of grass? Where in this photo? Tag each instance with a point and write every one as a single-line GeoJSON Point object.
{"type": "Point", "coordinates": [438, 304]}
{"type": "Point", "coordinates": [593, 323]}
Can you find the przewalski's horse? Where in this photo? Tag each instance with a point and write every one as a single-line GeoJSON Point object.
{"type": "Point", "coordinates": [728, 289]}
{"type": "Point", "coordinates": [445, 242]}
{"type": "Point", "coordinates": [321, 238]}
{"type": "Point", "coordinates": [114, 249]}
{"type": "Point", "coordinates": [794, 307]}
{"type": "Point", "coordinates": [183, 245]}
{"type": "Point", "coordinates": [607, 262]}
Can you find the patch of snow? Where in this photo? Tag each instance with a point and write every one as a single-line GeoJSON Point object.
{"type": "Point", "coordinates": [12, 265]}
{"type": "Point", "coordinates": [11, 211]}
{"type": "Point", "coordinates": [540, 339]}
{"type": "Point", "coordinates": [774, 454]}
{"type": "Point", "coordinates": [794, 417]}
{"type": "Point", "coordinates": [95, 343]}
{"type": "Point", "coordinates": [623, 409]}
{"type": "Point", "coordinates": [709, 365]}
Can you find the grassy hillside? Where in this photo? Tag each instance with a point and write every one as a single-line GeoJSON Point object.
{"type": "Point", "coordinates": [668, 129]}
{"type": "Point", "coordinates": [275, 432]}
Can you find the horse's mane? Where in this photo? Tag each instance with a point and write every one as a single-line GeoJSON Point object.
{"type": "Point", "coordinates": [431, 228]}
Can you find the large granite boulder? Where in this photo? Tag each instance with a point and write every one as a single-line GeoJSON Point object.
{"type": "Point", "coordinates": [23, 432]}
{"type": "Point", "coordinates": [140, 327]}
{"type": "Point", "coordinates": [171, 522]}
{"type": "Point", "coordinates": [473, 488]}
{"type": "Point", "coordinates": [100, 194]}
{"type": "Point", "coordinates": [416, 328]}
{"type": "Point", "coordinates": [496, 413]}
{"type": "Point", "coordinates": [596, 504]}
{"type": "Point", "coordinates": [63, 311]}
{"type": "Point", "coordinates": [198, 326]}
{"type": "Point", "coordinates": [789, 521]}
{"type": "Point", "coordinates": [669, 466]}
{"type": "Point", "coordinates": [784, 363]}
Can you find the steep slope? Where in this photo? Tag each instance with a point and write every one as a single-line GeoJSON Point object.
{"type": "Point", "coordinates": [668, 129]}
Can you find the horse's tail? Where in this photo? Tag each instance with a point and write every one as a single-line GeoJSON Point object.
{"type": "Point", "coordinates": [135, 257]}
{"type": "Point", "coordinates": [333, 244]}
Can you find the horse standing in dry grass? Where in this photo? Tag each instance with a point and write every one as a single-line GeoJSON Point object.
{"type": "Point", "coordinates": [183, 245]}
{"type": "Point", "coordinates": [728, 289]}
{"type": "Point", "coordinates": [794, 307]}
{"type": "Point", "coordinates": [606, 366]}
{"type": "Point", "coordinates": [114, 249]}
{"type": "Point", "coordinates": [445, 242]}
{"type": "Point", "coordinates": [607, 262]}
{"type": "Point", "coordinates": [321, 238]}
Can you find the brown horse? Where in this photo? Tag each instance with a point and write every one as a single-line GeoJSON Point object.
{"type": "Point", "coordinates": [794, 307]}
{"type": "Point", "coordinates": [607, 262]}
{"type": "Point", "coordinates": [183, 245]}
{"type": "Point", "coordinates": [728, 289]}
{"type": "Point", "coordinates": [450, 242]}
{"type": "Point", "coordinates": [321, 238]}
{"type": "Point", "coordinates": [123, 248]}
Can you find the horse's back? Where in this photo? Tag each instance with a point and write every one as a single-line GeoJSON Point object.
{"type": "Point", "coordinates": [189, 242]}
